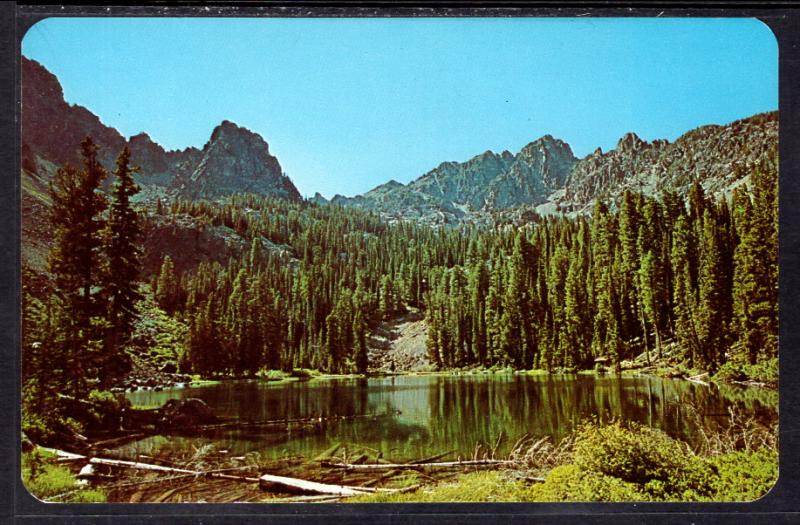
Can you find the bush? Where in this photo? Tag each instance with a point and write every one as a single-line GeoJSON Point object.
{"type": "Point", "coordinates": [661, 466]}
{"type": "Point", "coordinates": [765, 371]}
{"type": "Point", "coordinates": [744, 476]}
{"type": "Point", "coordinates": [302, 373]}
{"type": "Point", "coordinates": [107, 408]}
{"type": "Point", "coordinates": [45, 480]}
{"type": "Point", "coordinates": [272, 375]}
{"type": "Point", "coordinates": [617, 463]}
{"type": "Point", "coordinates": [571, 483]}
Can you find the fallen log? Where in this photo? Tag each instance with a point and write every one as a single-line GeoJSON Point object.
{"type": "Point", "coordinates": [697, 379]}
{"type": "Point", "coordinates": [304, 499]}
{"type": "Point", "coordinates": [173, 470]}
{"type": "Point", "coordinates": [118, 441]}
{"type": "Point", "coordinates": [301, 486]}
{"type": "Point", "coordinates": [140, 466]}
{"type": "Point", "coordinates": [62, 455]}
{"type": "Point", "coordinates": [401, 466]}
{"type": "Point", "coordinates": [328, 453]}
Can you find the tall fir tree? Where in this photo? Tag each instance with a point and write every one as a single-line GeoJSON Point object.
{"type": "Point", "coordinates": [76, 264]}
{"type": "Point", "coordinates": [123, 253]}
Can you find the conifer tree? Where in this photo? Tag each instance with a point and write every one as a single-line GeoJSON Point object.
{"type": "Point", "coordinates": [76, 262]}
{"type": "Point", "coordinates": [167, 291]}
{"type": "Point", "coordinates": [121, 273]}
{"type": "Point", "coordinates": [756, 268]}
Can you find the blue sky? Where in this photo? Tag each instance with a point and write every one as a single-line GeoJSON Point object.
{"type": "Point", "coordinates": [347, 104]}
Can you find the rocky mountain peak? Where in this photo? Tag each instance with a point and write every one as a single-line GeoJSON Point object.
{"type": "Point", "coordinates": [318, 199]}
{"type": "Point", "coordinates": [37, 78]}
{"type": "Point", "coordinates": [630, 142]}
{"type": "Point", "coordinates": [546, 144]}
{"type": "Point", "coordinates": [227, 130]}
{"type": "Point", "coordinates": [234, 160]}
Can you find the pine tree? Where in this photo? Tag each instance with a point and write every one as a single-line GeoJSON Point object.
{"type": "Point", "coordinates": [76, 263]}
{"type": "Point", "coordinates": [712, 323]}
{"type": "Point", "coordinates": [121, 273]}
{"type": "Point", "coordinates": [756, 266]}
{"type": "Point", "coordinates": [685, 296]}
{"type": "Point", "coordinates": [167, 293]}
{"type": "Point", "coordinates": [360, 338]}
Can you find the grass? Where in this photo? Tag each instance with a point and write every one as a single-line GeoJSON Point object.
{"type": "Point", "coordinates": [48, 481]}
{"type": "Point", "coordinates": [472, 487]}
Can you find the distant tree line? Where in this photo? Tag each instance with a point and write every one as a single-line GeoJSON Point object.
{"type": "Point", "coordinates": [555, 294]}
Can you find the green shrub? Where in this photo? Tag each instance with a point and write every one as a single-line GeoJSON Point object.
{"type": "Point", "coordinates": [45, 481]}
{"type": "Point", "coordinates": [571, 483]}
{"type": "Point", "coordinates": [765, 371]}
{"type": "Point", "coordinates": [661, 466]}
{"type": "Point", "coordinates": [36, 427]}
{"type": "Point", "coordinates": [107, 408]}
{"type": "Point", "coordinates": [744, 476]}
{"type": "Point", "coordinates": [272, 375]}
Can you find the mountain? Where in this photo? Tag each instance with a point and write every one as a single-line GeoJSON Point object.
{"type": "Point", "coordinates": [234, 159]}
{"type": "Point", "coordinates": [546, 177]}
{"type": "Point", "coordinates": [456, 191]}
{"type": "Point", "coordinates": [719, 157]}
{"type": "Point", "coordinates": [543, 177]}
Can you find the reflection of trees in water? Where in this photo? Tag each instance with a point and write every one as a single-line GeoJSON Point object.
{"type": "Point", "coordinates": [444, 412]}
{"type": "Point", "coordinates": [465, 411]}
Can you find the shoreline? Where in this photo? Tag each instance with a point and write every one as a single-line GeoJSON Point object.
{"type": "Point", "coordinates": [661, 372]}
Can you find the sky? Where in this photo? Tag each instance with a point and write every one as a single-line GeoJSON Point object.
{"type": "Point", "coordinates": [348, 104]}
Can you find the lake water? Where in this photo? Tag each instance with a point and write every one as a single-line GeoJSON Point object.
{"type": "Point", "coordinates": [430, 414]}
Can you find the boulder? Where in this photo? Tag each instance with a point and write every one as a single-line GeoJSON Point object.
{"type": "Point", "coordinates": [190, 412]}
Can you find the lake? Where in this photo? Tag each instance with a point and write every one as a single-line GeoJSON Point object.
{"type": "Point", "coordinates": [428, 414]}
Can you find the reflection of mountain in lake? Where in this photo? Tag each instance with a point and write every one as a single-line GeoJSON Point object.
{"type": "Point", "coordinates": [439, 413]}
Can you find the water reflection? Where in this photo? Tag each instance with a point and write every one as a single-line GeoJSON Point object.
{"type": "Point", "coordinates": [432, 414]}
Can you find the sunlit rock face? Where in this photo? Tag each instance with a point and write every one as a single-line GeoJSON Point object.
{"type": "Point", "coordinates": [236, 160]}
{"type": "Point", "coordinates": [546, 177]}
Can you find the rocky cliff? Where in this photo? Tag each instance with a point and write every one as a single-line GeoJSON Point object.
{"type": "Point", "coordinates": [234, 159]}
{"type": "Point", "coordinates": [720, 157]}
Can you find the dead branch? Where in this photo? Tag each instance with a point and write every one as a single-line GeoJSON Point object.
{"type": "Point", "coordinates": [414, 466]}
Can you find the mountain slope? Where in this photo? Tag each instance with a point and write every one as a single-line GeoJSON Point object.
{"type": "Point", "coordinates": [719, 157]}
{"type": "Point", "coordinates": [234, 160]}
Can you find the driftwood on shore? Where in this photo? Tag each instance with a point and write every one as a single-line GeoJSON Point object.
{"type": "Point", "coordinates": [301, 486]}
{"type": "Point", "coordinates": [699, 379]}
